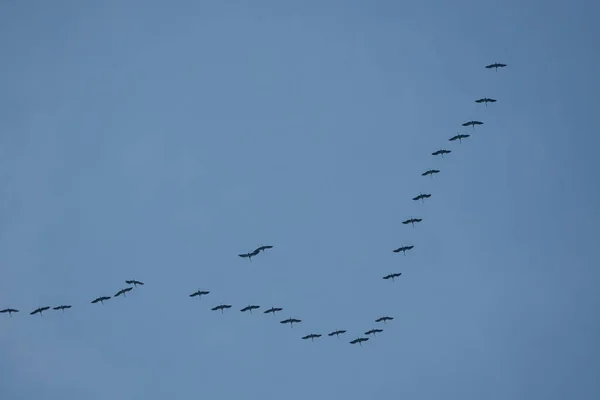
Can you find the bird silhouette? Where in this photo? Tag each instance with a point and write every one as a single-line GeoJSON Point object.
{"type": "Point", "coordinates": [249, 308]}
{"type": "Point", "coordinates": [403, 249]}
{"type": "Point", "coordinates": [459, 137]}
{"type": "Point", "coordinates": [392, 276]}
{"type": "Point", "coordinates": [10, 311]}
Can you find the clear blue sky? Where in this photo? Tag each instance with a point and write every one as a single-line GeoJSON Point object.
{"type": "Point", "coordinates": [156, 140]}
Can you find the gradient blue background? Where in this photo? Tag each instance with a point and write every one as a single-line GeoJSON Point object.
{"type": "Point", "coordinates": [156, 140]}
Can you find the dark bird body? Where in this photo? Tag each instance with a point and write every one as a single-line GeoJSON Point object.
{"type": "Point", "coordinates": [62, 308]}
{"type": "Point", "coordinates": [441, 152]}
{"type": "Point", "coordinates": [472, 123]}
{"type": "Point", "coordinates": [134, 283]}
{"type": "Point", "coordinates": [412, 221]}
{"type": "Point", "coordinates": [199, 293]}
{"type": "Point", "coordinates": [273, 310]}
{"type": "Point", "coordinates": [312, 336]}
{"type": "Point", "coordinates": [291, 321]}
{"type": "Point", "coordinates": [384, 319]}
{"type": "Point", "coordinates": [422, 197]}
{"type": "Point", "coordinates": [100, 299]}
{"type": "Point", "coordinates": [249, 255]}
{"type": "Point", "coordinates": [403, 249]}
{"type": "Point", "coordinates": [495, 66]}
{"type": "Point", "coordinates": [10, 311]}
{"type": "Point", "coordinates": [485, 100]}
{"type": "Point", "coordinates": [392, 276]}
{"type": "Point", "coordinates": [123, 292]}
{"type": "Point", "coordinates": [459, 137]}
{"type": "Point", "coordinates": [373, 331]}
{"type": "Point", "coordinates": [430, 172]}
{"type": "Point", "coordinates": [249, 308]}
{"type": "Point", "coordinates": [359, 340]}
{"type": "Point", "coordinates": [221, 307]}
{"type": "Point", "coordinates": [39, 310]}
{"type": "Point", "coordinates": [262, 248]}
{"type": "Point", "coordinates": [337, 333]}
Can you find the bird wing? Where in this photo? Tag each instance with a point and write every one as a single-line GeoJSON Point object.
{"type": "Point", "coordinates": [129, 282]}
{"type": "Point", "coordinates": [397, 250]}
{"type": "Point", "coordinates": [244, 255]}
{"type": "Point", "coordinates": [194, 294]}
{"type": "Point", "coordinates": [479, 101]}
{"type": "Point", "coordinates": [406, 222]}
{"type": "Point", "coordinates": [215, 308]}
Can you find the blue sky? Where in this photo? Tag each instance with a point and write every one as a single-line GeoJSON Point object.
{"type": "Point", "coordinates": [156, 140]}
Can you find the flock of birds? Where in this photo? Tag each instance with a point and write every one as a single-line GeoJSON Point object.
{"type": "Point", "coordinates": [249, 255]}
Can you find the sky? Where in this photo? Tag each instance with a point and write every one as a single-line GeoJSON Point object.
{"type": "Point", "coordinates": [156, 140]}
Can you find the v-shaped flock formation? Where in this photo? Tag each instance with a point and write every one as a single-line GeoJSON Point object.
{"type": "Point", "coordinates": [361, 338]}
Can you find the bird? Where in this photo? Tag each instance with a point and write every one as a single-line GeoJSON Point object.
{"type": "Point", "coordinates": [496, 66]}
{"type": "Point", "coordinates": [412, 221]}
{"type": "Point", "coordinates": [459, 137]}
{"type": "Point", "coordinates": [384, 319]}
{"type": "Point", "coordinates": [262, 248]}
{"type": "Point", "coordinates": [39, 310]}
{"type": "Point", "coordinates": [62, 308]}
{"type": "Point", "coordinates": [10, 311]}
{"type": "Point", "coordinates": [485, 101]}
{"type": "Point", "coordinates": [134, 282]}
{"type": "Point", "coordinates": [359, 340]}
{"type": "Point", "coordinates": [249, 255]}
{"type": "Point", "coordinates": [441, 152]}
{"type": "Point", "coordinates": [221, 307]}
{"type": "Point", "coordinates": [312, 336]}
{"type": "Point", "coordinates": [422, 197]}
{"type": "Point", "coordinates": [403, 249]}
{"type": "Point", "coordinates": [273, 310]}
{"type": "Point", "coordinates": [123, 291]}
{"type": "Point", "coordinates": [373, 331]}
{"type": "Point", "coordinates": [291, 321]}
{"type": "Point", "coordinates": [100, 299]}
{"type": "Point", "coordinates": [337, 333]}
{"type": "Point", "coordinates": [472, 123]}
{"type": "Point", "coordinates": [199, 293]}
{"type": "Point", "coordinates": [392, 276]}
{"type": "Point", "coordinates": [249, 308]}
{"type": "Point", "coordinates": [430, 172]}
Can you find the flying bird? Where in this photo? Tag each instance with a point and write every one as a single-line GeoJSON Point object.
{"type": "Point", "coordinates": [273, 310]}
{"type": "Point", "coordinates": [291, 321]}
{"type": "Point", "coordinates": [496, 66]}
{"type": "Point", "coordinates": [441, 152]}
{"type": "Point", "coordinates": [100, 299]}
{"type": "Point", "coordinates": [403, 249]}
{"type": "Point", "coordinates": [39, 310]}
{"type": "Point", "coordinates": [337, 333]}
{"type": "Point", "coordinates": [412, 221]}
{"type": "Point", "coordinates": [485, 101]}
{"type": "Point", "coordinates": [262, 248]}
{"type": "Point", "coordinates": [373, 331]}
{"type": "Point", "coordinates": [359, 340]}
{"type": "Point", "coordinates": [10, 311]}
{"type": "Point", "coordinates": [472, 123]}
{"type": "Point", "coordinates": [392, 276]}
{"type": "Point", "coordinates": [459, 137]}
{"type": "Point", "coordinates": [249, 255]}
{"type": "Point", "coordinates": [199, 293]}
{"type": "Point", "coordinates": [221, 307]}
{"type": "Point", "coordinates": [123, 291]}
{"type": "Point", "coordinates": [384, 319]}
{"type": "Point", "coordinates": [62, 308]}
{"type": "Point", "coordinates": [312, 336]}
{"type": "Point", "coordinates": [249, 308]}
{"type": "Point", "coordinates": [134, 283]}
{"type": "Point", "coordinates": [422, 197]}
{"type": "Point", "coordinates": [430, 172]}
